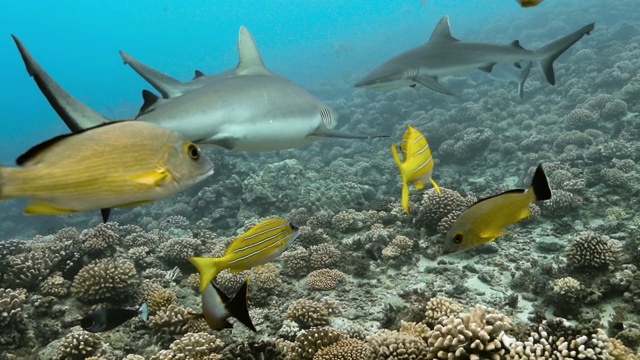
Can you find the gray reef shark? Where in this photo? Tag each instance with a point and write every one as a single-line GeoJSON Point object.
{"type": "Point", "coordinates": [247, 108]}
{"type": "Point", "coordinates": [510, 73]}
{"type": "Point", "coordinates": [444, 55]}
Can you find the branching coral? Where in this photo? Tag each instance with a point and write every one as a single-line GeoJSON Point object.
{"type": "Point", "coordinates": [346, 349]}
{"type": "Point", "coordinates": [105, 279]}
{"type": "Point", "coordinates": [439, 307]}
{"type": "Point", "coordinates": [477, 334]}
{"type": "Point", "coordinates": [324, 279]}
{"type": "Point", "coordinates": [386, 344]}
{"type": "Point", "coordinates": [309, 313]}
{"type": "Point", "coordinates": [195, 346]}
{"type": "Point", "coordinates": [78, 344]}
{"type": "Point", "coordinates": [310, 341]}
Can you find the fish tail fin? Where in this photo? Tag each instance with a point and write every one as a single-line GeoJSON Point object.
{"type": "Point", "coordinates": [237, 306]}
{"type": "Point", "coordinates": [143, 312]}
{"type": "Point", "coordinates": [405, 185]}
{"type": "Point", "coordinates": [523, 78]}
{"type": "Point", "coordinates": [208, 269]}
{"type": "Point", "coordinates": [540, 185]}
{"type": "Point", "coordinates": [435, 186]}
{"type": "Point", "coordinates": [550, 52]}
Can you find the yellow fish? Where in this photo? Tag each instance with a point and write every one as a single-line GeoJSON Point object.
{"type": "Point", "coordinates": [259, 245]}
{"type": "Point", "coordinates": [487, 219]}
{"type": "Point", "coordinates": [416, 164]}
{"type": "Point", "coordinates": [529, 3]}
{"type": "Point", "coordinates": [112, 165]}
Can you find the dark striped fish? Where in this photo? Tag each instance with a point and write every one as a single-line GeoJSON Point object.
{"type": "Point", "coordinates": [261, 244]}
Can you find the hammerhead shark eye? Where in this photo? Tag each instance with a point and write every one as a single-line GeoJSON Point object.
{"type": "Point", "coordinates": [326, 117]}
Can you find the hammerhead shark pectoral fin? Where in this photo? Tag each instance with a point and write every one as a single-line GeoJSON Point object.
{"type": "Point", "coordinates": [74, 113]}
{"type": "Point", "coordinates": [433, 84]}
{"type": "Point", "coordinates": [328, 133]}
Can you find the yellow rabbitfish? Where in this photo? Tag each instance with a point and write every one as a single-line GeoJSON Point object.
{"type": "Point", "coordinates": [112, 165]}
{"type": "Point", "coordinates": [416, 164]}
{"type": "Point", "coordinates": [259, 245]}
{"type": "Point", "coordinates": [487, 219]}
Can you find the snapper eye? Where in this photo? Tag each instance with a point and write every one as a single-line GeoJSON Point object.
{"type": "Point", "coordinates": [457, 238]}
{"type": "Point", "coordinates": [194, 152]}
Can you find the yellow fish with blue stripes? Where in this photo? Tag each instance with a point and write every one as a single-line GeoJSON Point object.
{"type": "Point", "coordinates": [259, 245]}
{"type": "Point", "coordinates": [416, 164]}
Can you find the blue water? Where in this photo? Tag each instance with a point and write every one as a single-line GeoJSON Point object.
{"type": "Point", "coordinates": [78, 43]}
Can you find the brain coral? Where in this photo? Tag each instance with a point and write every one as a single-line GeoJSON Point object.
{"type": "Point", "coordinates": [591, 250]}
{"type": "Point", "coordinates": [104, 280]}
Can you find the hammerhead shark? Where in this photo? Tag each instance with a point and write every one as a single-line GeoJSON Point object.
{"type": "Point", "coordinates": [444, 55]}
{"type": "Point", "coordinates": [247, 108]}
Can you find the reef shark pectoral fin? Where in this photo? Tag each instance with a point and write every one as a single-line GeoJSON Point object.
{"type": "Point", "coordinates": [328, 133]}
{"type": "Point", "coordinates": [523, 79]}
{"type": "Point", "coordinates": [74, 113]}
{"type": "Point", "coordinates": [433, 84]}
{"type": "Point", "coordinates": [167, 86]}
{"type": "Point", "coordinates": [224, 141]}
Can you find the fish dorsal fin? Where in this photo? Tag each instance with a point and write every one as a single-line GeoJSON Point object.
{"type": "Point", "coordinates": [442, 31]}
{"type": "Point", "coordinates": [249, 59]}
{"type": "Point", "coordinates": [223, 297]}
{"type": "Point", "coordinates": [149, 99]}
{"type": "Point", "coordinates": [514, 191]}
{"type": "Point", "coordinates": [32, 155]}
{"type": "Point", "coordinates": [238, 308]}
{"type": "Point", "coordinates": [516, 44]}
{"type": "Point", "coordinates": [198, 74]}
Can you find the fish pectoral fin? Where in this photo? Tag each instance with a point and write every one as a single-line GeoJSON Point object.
{"type": "Point", "coordinates": [153, 178]}
{"type": "Point", "coordinates": [433, 84]}
{"type": "Point", "coordinates": [419, 184]}
{"type": "Point", "coordinates": [225, 141]}
{"type": "Point", "coordinates": [45, 209]}
{"type": "Point", "coordinates": [487, 68]}
{"type": "Point", "coordinates": [433, 182]}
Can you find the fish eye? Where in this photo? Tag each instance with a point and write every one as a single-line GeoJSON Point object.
{"type": "Point", "coordinates": [193, 151]}
{"type": "Point", "coordinates": [457, 239]}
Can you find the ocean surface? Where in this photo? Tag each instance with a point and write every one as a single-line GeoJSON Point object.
{"type": "Point", "coordinates": [363, 276]}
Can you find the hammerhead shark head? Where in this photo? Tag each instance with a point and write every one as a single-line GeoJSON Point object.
{"type": "Point", "coordinates": [247, 108]}
{"type": "Point", "coordinates": [444, 55]}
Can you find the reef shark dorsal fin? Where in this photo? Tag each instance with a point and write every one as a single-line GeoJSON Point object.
{"type": "Point", "coordinates": [198, 74]}
{"type": "Point", "coordinates": [167, 86]}
{"type": "Point", "coordinates": [249, 59]}
{"type": "Point", "coordinates": [442, 31]}
{"type": "Point", "coordinates": [516, 44]}
{"type": "Point", "coordinates": [149, 99]}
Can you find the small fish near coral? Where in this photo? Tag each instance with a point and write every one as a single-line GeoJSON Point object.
{"type": "Point", "coordinates": [529, 3]}
{"type": "Point", "coordinates": [217, 307]}
{"type": "Point", "coordinates": [416, 164]}
{"type": "Point", "coordinates": [259, 245]}
{"type": "Point", "coordinates": [487, 219]}
{"type": "Point", "coordinates": [107, 319]}
{"type": "Point", "coordinates": [113, 165]}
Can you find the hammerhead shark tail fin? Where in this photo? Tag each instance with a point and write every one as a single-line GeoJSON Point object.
{"type": "Point", "coordinates": [74, 113]}
{"type": "Point", "coordinates": [550, 52]}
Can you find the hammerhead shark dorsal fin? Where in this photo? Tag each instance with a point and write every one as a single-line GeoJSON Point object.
{"type": "Point", "coordinates": [149, 99]}
{"type": "Point", "coordinates": [74, 113]}
{"type": "Point", "coordinates": [249, 62]}
{"type": "Point", "coordinates": [442, 32]}
{"type": "Point", "coordinates": [167, 86]}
